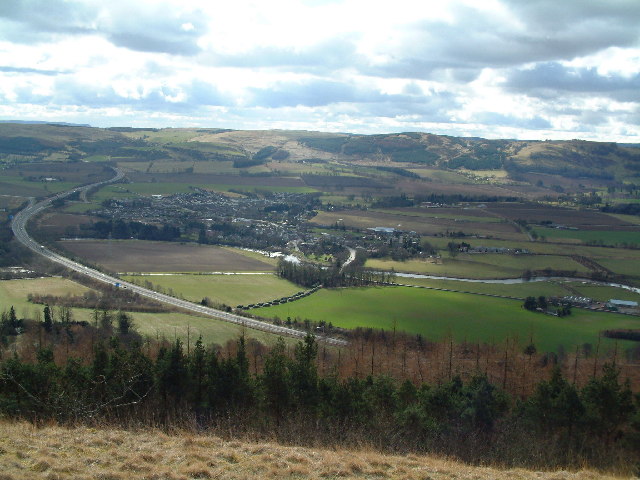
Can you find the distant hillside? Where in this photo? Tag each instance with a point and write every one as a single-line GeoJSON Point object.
{"type": "Point", "coordinates": [20, 142]}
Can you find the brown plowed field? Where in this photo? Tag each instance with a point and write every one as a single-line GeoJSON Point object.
{"type": "Point", "coordinates": [424, 226]}
{"type": "Point", "coordinates": [146, 256]}
{"type": "Point", "coordinates": [564, 216]}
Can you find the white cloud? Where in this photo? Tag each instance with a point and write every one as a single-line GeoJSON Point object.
{"type": "Point", "coordinates": [461, 67]}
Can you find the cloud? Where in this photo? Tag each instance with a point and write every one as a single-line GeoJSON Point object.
{"type": "Point", "coordinates": [36, 71]}
{"type": "Point", "coordinates": [552, 15]}
{"type": "Point", "coordinates": [39, 19]}
{"type": "Point", "coordinates": [493, 118]}
{"type": "Point", "coordinates": [139, 26]}
{"type": "Point", "coordinates": [335, 53]}
{"type": "Point", "coordinates": [153, 28]}
{"type": "Point", "coordinates": [312, 93]}
{"type": "Point", "coordinates": [480, 67]}
{"type": "Point", "coordinates": [366, 101]}
{"type": "Point", "coordinates": [548, 80]}
{"type": "Point", "coordinates": [520, 33]}
{"type": "Point", "coordinates": [187, 98]}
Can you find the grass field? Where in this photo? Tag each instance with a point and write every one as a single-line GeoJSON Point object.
{"type": "Point", "coordinates": [626, 218]}
{"type": "Point", "coordinates": [168, 188]}
{"type": "Point", "coordinates": [461, 215]}
{"type": "Point", "coordinates": [436, 314]}
{"type": "Point", "coordinates": [147, 256]}
{"type": "Point", "coordinates": [624, 266]}
{"type": "Point", "coordinates": [228, 289]}
{"type": "Point", "coordinates": [15, 292]}
{"type": "Point", "coordinates": [604, 293]}
{"type": "Point", "coordinates": [188, 328]}
{"type": "Point", "coordinates": [544, 247]}
{"type": "Point", "coordinates": [607, 237]}
{"type": "Point", "coordinates": [155, 325]}
{"type": "Point", "coordinates": [441, 176]}
{"type": "Point", "coordinates": [479, 265]}
{"type": "Point", "coordinates": [526, 289]}
{"type": "Point", "coordinates": [80, 207]}
{"type": "Point", "coordinates": [106, 453]}
{"type": "Point", "coordinates": [518, 290]}
{"type": "Point", "coordinates": [23, 188]}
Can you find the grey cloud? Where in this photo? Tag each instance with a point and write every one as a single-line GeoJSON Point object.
{"type": "Point", "coordinates": [370, 102]}
{"type": "Point", "coordinates": [202, 93]}
{"type": "Point", "coordinates": [138, 26]}
{"type": "Point", "coordinates": [493, 118]}
{"type": "Point", "coordinates": [333, 54]}
{"type": "Point", "coordinates": [71, 92]}
{"type": "Point", "coordinates": [412, 89]}
{"type": "Point", "coordinates": [552, 15]}
{"type": "Point", "coordinates": [477, 39]}
{"type": "Point", "coordinates": [153, 28]}
{"type": "Point", "coordinates": [150, 43]}
{"type": "Point", "coordinates": [312, 94]}
{"type": "Point", "coordinates": [37, 71]}
{"type": "Point", "coordinates": [49, 16]}
{"type": "Point", "coordinates": [547, 80]}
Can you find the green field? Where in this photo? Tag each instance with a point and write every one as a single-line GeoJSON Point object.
{"type": "Point", "coordinates": [624, 266]}
{"type": "Point", "coordinates": [432, 213]}
{"type": "Point", "coordinates": [480, 266]}
{"type": "Point", "coordinates": [607, 237]}
{"type": "Point", "coordinates": [442, 176]}
{"type": "Point", "coordinates": [518, 290]}
{"type": "Point", "coordinates": [604, 293]}
{"type": "Point", "coordinates": [17, 186]}
{"type": "Point", "coordinates": [156, 325]}
{"type": "Point", "coordinates": [542, 247]}
{"type": "Point", "coordinates": [228, 289]}
{"type": "Point", "coordinates": [436, 314]}
{"type": "Point", "coordinates": [15, 292]}
{"type": "Point", "coordinates": [80, 207]}
{"type": "Point", "coordinates": [189, 327]}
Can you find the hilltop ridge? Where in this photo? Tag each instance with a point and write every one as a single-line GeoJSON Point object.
{"type": "Point", "coordinates": [520, 160]}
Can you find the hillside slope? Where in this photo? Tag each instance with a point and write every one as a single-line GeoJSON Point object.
{"type": "Point", "coordinates": [52, 452]}
{"type": "Point", "coordinates": [574, 158]}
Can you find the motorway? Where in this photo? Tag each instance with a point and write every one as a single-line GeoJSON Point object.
{"type": "Point", "coordinates": [18, 226]}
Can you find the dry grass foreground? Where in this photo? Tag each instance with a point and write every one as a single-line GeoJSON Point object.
{"type": "Point", "coordinates": [54, 453]}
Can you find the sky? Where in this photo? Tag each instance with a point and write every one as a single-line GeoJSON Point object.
{"type": "Point", "coordinates": [525, 69]}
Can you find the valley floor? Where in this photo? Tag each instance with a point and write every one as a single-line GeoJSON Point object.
{"type": "Point", "coordinates": [54, 452]}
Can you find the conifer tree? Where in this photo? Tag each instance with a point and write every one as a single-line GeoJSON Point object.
{"type": "Point", "coordinates": [304, 372]}
{"type": "Point", "coordinates": [47, 323]}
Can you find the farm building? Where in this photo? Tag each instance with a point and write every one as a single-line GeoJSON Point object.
{"type": "Point", "coordinates": [622, 303]}
{"type": "Point", "coordinates": [383, 229]}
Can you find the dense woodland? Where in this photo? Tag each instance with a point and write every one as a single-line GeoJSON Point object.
{"type": "Point", "coordinates": [104, 372]}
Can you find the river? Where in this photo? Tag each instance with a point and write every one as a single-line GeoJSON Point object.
{"type": "Point", "coordinates": [512, 281]}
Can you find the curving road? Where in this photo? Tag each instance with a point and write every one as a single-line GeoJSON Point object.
{"type": "Point", "coordinates": [18, 226]}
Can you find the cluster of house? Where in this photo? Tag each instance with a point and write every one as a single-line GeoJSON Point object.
{"type": "Point", "coordinates": [161, 208]}
{"type": "Point", "coordinates": [483, 249]}
{"type": "Point", "coordinates": [612, 304]}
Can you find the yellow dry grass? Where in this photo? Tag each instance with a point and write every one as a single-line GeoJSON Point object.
{"type": "Point", "coordinates": [53, 453]}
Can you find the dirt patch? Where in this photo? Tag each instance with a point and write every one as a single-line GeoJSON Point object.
{"type": "Point", "coordinates": [146, 256]}
{"type": "Point", "coordinates": [55, 225]}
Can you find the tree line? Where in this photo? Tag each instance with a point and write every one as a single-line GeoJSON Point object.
{"type": "Point", "coordinates": [311, 275]}
{"type": "Point", "coordinates": [121, 229]}
{"type": "Point", "coordinates": [122, 382]}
